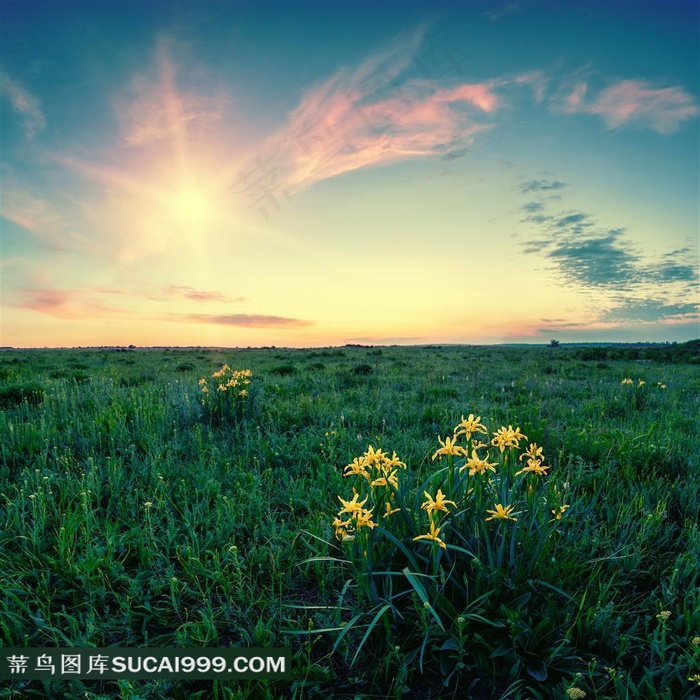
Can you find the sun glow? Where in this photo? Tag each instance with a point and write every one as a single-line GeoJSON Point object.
{"type": "Point", "coordinates": [191, 205]}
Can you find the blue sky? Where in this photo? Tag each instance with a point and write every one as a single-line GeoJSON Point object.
{"type": "Point", "coordinates": [318, 173]}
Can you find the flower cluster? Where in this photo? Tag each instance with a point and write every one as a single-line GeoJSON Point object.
{"type": "Point", "coordinates": [378, 479]}
{"type": "Point", "coordinates": [478, 474]}
{"type": "Point", "coordinates": [640, 383]}
{"type": "Point", "coordinates": [228, 379]}
{"type": "Point", "coordinates": [225, 392]}
{"type": "Point", "coordinates": [357, 517]}
{"type": "Point", "coordinates": [534, 458]}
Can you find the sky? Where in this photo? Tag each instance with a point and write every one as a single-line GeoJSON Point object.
{"type": "Point", "coordinates": [308, 174]}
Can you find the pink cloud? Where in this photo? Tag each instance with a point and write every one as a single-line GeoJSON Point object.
{"type": "Point", "coordinates": [244, 320]}
{"type": "Point", "coordinates": [634, 102]}
{"type": "Point", "coordinates": [197, 294]}
{"type": "Point", "coordinates": [156, 106]}
{"type": "Point", "coordinates": [369, 117]}
{"type": "Point", "coordinates": [63, 303]}
{"type": "Point", "coordinates": [42, 216]}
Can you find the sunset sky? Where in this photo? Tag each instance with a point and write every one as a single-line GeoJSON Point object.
{"type": "Point", "coordinates": [306, 174]}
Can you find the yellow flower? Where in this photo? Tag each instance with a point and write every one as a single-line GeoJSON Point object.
{"type": "Point", "coordinates": [432, 535]}
{"type": "Point", "coordinates": [202, 381]}
{"type": "Point", "coordinates": [338, 523]}
{"type": "Point", "coordinates": [352, 506]}
{"type": "Point", "coordinates": [386, 480]}
{"type": "Point", "coordinates": [695, 678]}
{"type": "Point", "coordinates": [470, 426]}
{"type": "Point", "coordinates": [243, 392]}
{"type": "Point", "coordinates": [358, 467]}
{"type": "Point", "coordinates": [576, 693]}
{"type": "Point", "coordinates": [507, 437]}
{"type": "Point", "coordinates": [533, 452]}
{"type": "Point", "coordinates": [627, 381]}
{"type": "Point", "coordinates": [663, 615]}
{"type": "Point", "coordinates": [501, 513]}
{"type": "Point", "coordinates": [476, 465]}
{"type": "Point", "coordinates": [364, 519]}
{"type": "Point", "coordinates": [477, 444]}
{"type": "Point", "coordinates": [535, 466]}
{"type": "Point", "coordinates": [449, 448]}
{"type": "Point", "coordinates": [373, 456]}
{"type": "Point", "coordinates": [440, 502]}
{"type": "Point", "coordinates": [222, 387]}
{"type": "Point", "coordinates": [205, 389]}
{"type": "Point", "coordinates": [695, 641]}
{"type": "Point", "coordinates": [661, 385]}
{"type": "Point", "coordinates": [389, 510]}
{"type": "Point", "coordinates": [393, 462]}
{"type": "Point", "coordinates": [559, 511]}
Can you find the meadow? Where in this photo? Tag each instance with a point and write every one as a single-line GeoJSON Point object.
{"type": "Point", "coordinates": [142, 505]}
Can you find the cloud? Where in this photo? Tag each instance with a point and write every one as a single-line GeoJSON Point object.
{"type": "Point", "coordinates": [41, 215]}
{"type": "Point", "coordinates": [243, 320]}
{"type": "Point", "coordinates": [64, 303]}
{"type": "Point", "coordinates": [650, 310]}
{"type": "Point", "coordinates": [510, 9]}
{"type": "Point", "coordinates": [632, 103]}
{"type": "Point", "coordinates": [155, 107]}
{"type": "Point", "coordinates": [376, 115]}
{"type": "Point", "coordinates": [541, 186]}
{"type": "Point", "coordinates": [197, 295]}
{"type": "Point", "coordinates": [675, 266]}
{"type": "Point", "coordinates": [602, 260]}
{"type": "Point", "coordinates": [629, 284]}
{"type": "Point", "coordinates": [23, 103]}
{"type": "Point", "coordinates": [533, 206]}
{"type": "Point", "coordinates": [388, 340]}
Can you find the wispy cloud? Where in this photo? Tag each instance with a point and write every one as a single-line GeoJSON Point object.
{"type": "Point", "coordinates": [632, 103]}
{"type": "Point", "coordinates": [23, 103]}
{"type": "Point", "coordinates": [243, 320]}
{"type": "Point", "coordinates": [155, 106]}
{"type": "Point", "coordinates": [509, 9]}
{"type": "Point", "coordinates": [184, 292]}
{"type": "Point", "coordinates": [541, 185]}
{"type": "Point", "coordinates": [377, 114]}
{"type": "Point", "coordinates": [64, 303]}
{"type": "Point", "coordinates": [38, 213]}
{"type": "Point", "coordinates": [388, 340]}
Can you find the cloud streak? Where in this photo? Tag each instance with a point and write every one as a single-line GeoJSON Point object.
{"type": "Point", "coordinates": [192, 294]}
{"type": "Point", "coordinates": [510, 9]}
{"type": "Point", "coordinates": [244, 320]}
{"type": "Point", "coordinates": [23, 103]}
{"type": "Point", "coordinates": [377, 114]}
{"type": "Point", "coordinates": [155, 107]}
{"type": "Point", "coordinates": [632, 103]}
{"type": "Point", "coordinates": [64, 303]}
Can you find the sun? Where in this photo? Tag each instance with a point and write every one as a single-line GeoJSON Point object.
{"type": "Point", "coordinates": [190, 205]}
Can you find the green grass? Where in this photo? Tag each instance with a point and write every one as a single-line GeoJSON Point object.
{"type": "Point", "coordinates": [128, 517]}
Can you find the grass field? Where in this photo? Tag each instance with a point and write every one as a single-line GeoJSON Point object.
{"type": "Point", "coordinates": [133, 514]}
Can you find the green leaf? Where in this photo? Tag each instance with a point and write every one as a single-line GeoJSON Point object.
{"type": "Point", "coordinates": [422, 594]}
{"type": "Point", "coordinates": [400, 545]}
{"type": "Point", "coordinates": [345, 630]}
{"type": "Point", "coordinates": [382, 610]}
{"type": "Point", "coordinates": [538, 671]}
